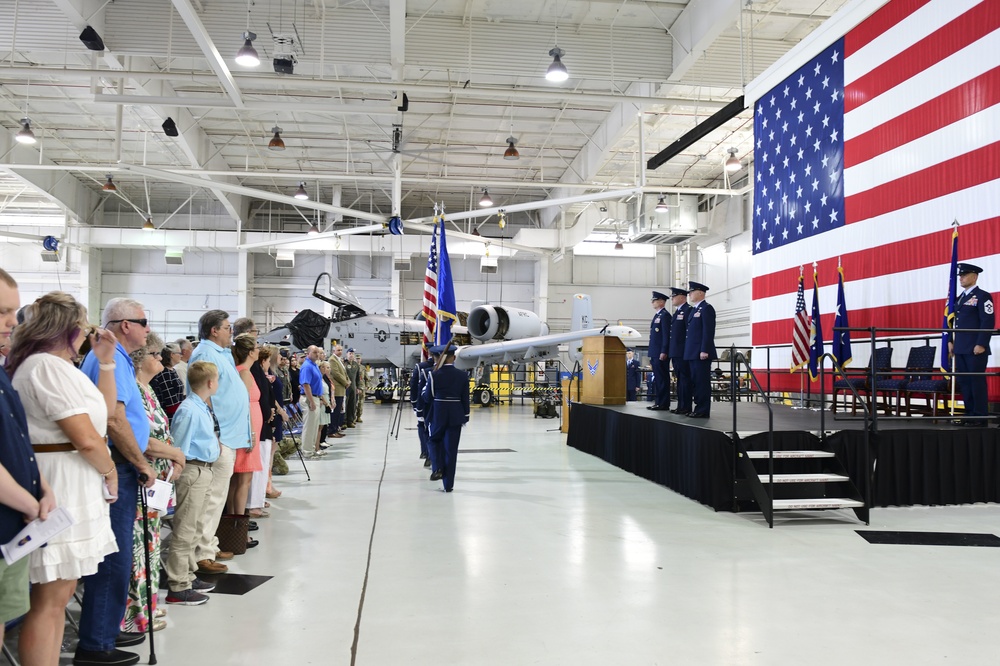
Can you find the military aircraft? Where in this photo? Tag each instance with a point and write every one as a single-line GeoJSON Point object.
{"type": "Point", "coordinates": [491, 334]}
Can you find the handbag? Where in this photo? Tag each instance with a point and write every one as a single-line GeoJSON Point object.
{"type": "Point", "coordinates": [232, 533]}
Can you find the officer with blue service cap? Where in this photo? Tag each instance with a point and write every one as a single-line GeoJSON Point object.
{"type": "Point", "coordinates": [659, 346]}
{"type": "Point", "coordinates": [973, 309]}
{"type": "Point", "coordinates": [418, 380]}
{"type": "Point", "coordinates": [699, 349]}
{"type": "Point", "coordinates": [448, 388]}
{"type": "Point", "coordinates": [678, 334]}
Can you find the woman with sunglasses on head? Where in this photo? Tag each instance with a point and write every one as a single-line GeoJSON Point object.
{"type": "Point", "coordinates": [67, 421]}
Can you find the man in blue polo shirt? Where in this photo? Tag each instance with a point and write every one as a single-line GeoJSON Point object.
{"type": "Point", "coordinates": [311, 382]}
{"type": "Point", "coordinates": [106, 592]}
{"type": "Point", "coordinates": [24, 494]}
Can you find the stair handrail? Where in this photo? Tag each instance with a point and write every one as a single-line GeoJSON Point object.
{"type": "Point", "coordinates": [737, 358]}
{"type": "Point", "coordinates": [870, 423]}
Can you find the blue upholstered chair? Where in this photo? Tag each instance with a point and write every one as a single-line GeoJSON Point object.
{"type": "Point", "coordinates": [928, 384]}
{"type": "Point", "coordinates": [883, 363]}
{"type": "Point", "coordinates": [919, 367]}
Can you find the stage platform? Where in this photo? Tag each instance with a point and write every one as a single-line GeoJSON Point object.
{"type": "Point", "coordinates": [915, 461]}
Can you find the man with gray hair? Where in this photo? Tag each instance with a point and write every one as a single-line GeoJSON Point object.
{"type": "Point", "coordinates": [231, 406]}
{"type": "Point", "coordinates": [244, 325]}
{"type": "Point", "coordinates": [106, 591]}
{"type": "Point", "coordinates": [182, 366]}
{"type": "Point", "coordinates": [311, 381]}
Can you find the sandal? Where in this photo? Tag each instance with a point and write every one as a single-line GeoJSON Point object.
{"type": "Point", "coordinates": [272, 494]}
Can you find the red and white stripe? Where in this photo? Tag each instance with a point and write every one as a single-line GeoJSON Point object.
{"type": "Point", "coordinates": [430, 297]}
{"type": "Point", "coordinates": [922, 148]}
{"type": "Point", "coordinates": [801, 329]}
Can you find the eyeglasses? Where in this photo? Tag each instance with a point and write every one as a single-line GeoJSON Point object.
{"type": "Point", "coordinates": [90, 330]}
{"type": "Point", "coordinates": [140, 322]}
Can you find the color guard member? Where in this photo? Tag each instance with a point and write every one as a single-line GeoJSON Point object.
{"type": "Point", "coordinates": [973, 309]}
{"type": "Point", "coordinates": [699, 349]}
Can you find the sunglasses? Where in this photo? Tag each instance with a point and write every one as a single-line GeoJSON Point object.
{"type": "Point", "coordinates": [141, 322]}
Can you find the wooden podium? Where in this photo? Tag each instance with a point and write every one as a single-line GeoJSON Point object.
{"type": "Point", "coordinates": [603, 371]}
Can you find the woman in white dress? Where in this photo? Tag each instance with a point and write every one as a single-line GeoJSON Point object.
{"type": "Point", "coordinates": [67, 422]}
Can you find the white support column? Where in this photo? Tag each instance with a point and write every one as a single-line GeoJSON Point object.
{"type": "Point", "coordinates": [244, 284]}
{"type": "Point", "coordinates": [395, 286]}
{"type": "Point", "coordinates": [90, 281]}
{"type": "Point", "coordinates": [542, 288]}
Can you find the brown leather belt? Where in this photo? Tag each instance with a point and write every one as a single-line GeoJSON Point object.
{"type": "Point", "coordinates": [53, 448]}
{"type": "Point", "coordinates": [199, 463]}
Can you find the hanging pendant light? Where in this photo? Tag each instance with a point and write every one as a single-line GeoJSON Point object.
{"type": "Point", "coordinates": [148, 225]}
{"type": "Point", "coordinates": [661, 205]}
{"type": "Point", "coordinates": [618, 245]}
{"type": "Point", "coordinates": [247, 55]}
{"type": "Point", "coordinates": [109, 185]}
{"type": "Point", "coordinates": [557, 71]}
{"type": "Point", "coordinates": [314, 231]}
{"type": "Point", "coordinates": [301, 192]}
{"type": "Point", "coordinates": [733, 164]}
{"type": "Point", "coordinates": [511, 152]}
{"type": "Point", "coordinates": [276, 142]}
{"type": "Point", "coordinates": [486, 201]}
{"type": "Point", "coordinates": [501, 220]}
{"type": "Point", "coordinates": [25, 135]}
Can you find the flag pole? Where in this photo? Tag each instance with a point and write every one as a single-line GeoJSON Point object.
{"type": "Point", "coordinates": [950, 354]}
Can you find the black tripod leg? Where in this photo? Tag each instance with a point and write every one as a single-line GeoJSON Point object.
{"type": "Point", "coordinates": [298, 450]}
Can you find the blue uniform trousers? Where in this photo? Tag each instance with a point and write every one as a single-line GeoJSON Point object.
{"type": "Point", "coordinates": [701, 385]}
{"type": "Point", "coordinates": [630, 394]}
{"type": "Point", "coordinates": [106, 591]}
{"type": "Point", "coordinates": [682, 371]}
{"type": "Point", "coordinates": [973, 389]}
{"type": "Point", "coordinates": [445, 447]}
{"type": "Point", "coordinates": [422, 434]}
{"type": "Point", "coordinates": [661, 375]}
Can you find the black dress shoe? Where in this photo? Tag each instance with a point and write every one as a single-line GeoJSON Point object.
{"type": "Point", "coordinates": [253, 543]}
{"type": "Point", "coordinates": [252, 524]}
{"type": "Point", "coordinates": [423, 455]}
{"type": "Point", "coordinates": [104, 658]}
{"type": "Point", "coordinates": [252, 528]}
{"type": "Point", "coordinates": [448, 490]}
{"type": "Point", "coordinates": [437, 476]}
{"type": "Point", "coordinates": [696, 415]}
{"type": "Point", "coordinates": [130, 638]}
{"type": "Point", "coordinates": [427, 462]}
{"type": "Point", "coordinates": [652, 407]}
{"type": "Point", "coordinates": [682, 412]}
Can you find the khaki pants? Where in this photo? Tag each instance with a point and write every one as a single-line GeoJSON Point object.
{"type": "Point", "coordinates": [310, 424]}
{"type": "Point", "coordinates": [207, 544]}
{"type": "Point", "coordinates": [361, 406]}
{"type": "Point", "coordinates": [192, 490]}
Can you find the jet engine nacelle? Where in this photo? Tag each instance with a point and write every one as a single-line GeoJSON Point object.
{"type": "Point", "coordinates": [497, 322]}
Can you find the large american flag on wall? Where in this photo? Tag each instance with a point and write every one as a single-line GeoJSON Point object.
{"type": "Point", "coordinates": [868, 152]}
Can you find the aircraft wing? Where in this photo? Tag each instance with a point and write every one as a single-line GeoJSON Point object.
{"type": "Point", "coordinates": [537, 348]}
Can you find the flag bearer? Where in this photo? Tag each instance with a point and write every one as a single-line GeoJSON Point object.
{"type": "Point", "coordinates": [448, 388]}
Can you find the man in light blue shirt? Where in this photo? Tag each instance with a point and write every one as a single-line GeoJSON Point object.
{"type": "Point", "coordinates": [128, 434]}
{"type": "Point", "coordinates": [311, 382]}
{"type": "Point", "coordinates": [231, 404]}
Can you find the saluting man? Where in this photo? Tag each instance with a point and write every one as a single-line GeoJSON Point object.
{"type": "Point", "coordinates": [678, 334]}
{"type": "Point", "coordinates": [974, 309]}
{"type": "Point", "coordinates": [699, 349]}
{"type": "Point", "coordinates": [659, 345]}
{"type": "Point", "coordinates": [448, 387]}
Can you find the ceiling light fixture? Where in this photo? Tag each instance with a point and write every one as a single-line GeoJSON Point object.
{"type": "Point", "coordinates": [91, 39]}
{"type": "Point", "coordinates": [247, 55]}
{"type": "Point", "coordinates": [618, 244]}
{"type": "Point", "coordinates": [109, 185]}
{"type": "Point", "coordinates": [557, 72]}
{"type": "Point", "coordinates": [314, 230]}
{"type": "Point", "coordinates": [25, 135]}
{"type": "Point", "coordinates": [733, 164]}
{"type": "Point", "coordinates": [148, 225]}
{"type": "Point", "coordinates": [661, 205]}
{"type": "Point", "coordinates": [486, 201]}
{"type": "Point", "coordinates": [276, 143]}
{"type": "Point", "coordinates": [301, 192]}
{"type": "Point", "coordinates": [511, 152]}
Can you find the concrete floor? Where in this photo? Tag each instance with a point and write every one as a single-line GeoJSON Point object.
{"type": "Point", "coordinates": [546, 555]}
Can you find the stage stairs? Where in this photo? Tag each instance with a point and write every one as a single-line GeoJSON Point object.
{"type": "Point", "coordinates": [811, 478]}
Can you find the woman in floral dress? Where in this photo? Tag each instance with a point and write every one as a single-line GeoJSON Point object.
{"type": "Point", "coordinates": [167, 461]}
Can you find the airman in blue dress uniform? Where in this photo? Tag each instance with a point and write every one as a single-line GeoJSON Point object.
{"type": "Point", "coordinates": [633, 376]}
{"type": "Point", "coordinates": [418, 380]}
{"type": "Point", "coordinates": [659, 345]}
{"type": "Point", "coordinates": [448, 388]}
{"type": "Point", "coordinates": [678, 334]}
{"type": "Point", "coordinates": [699, 349]}
{"type": "Point", "coordinates": [973, 309]}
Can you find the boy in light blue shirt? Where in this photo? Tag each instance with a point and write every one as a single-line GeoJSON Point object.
{"type": "Point", "coordinates": [196, 432]}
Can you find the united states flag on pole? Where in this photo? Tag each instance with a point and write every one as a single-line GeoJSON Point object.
{"type": "Point", "coordinates": [800, 329]}
{"type": "Point", "coordinates": [430, 295]}
{"type": "Point", "coordinates": [868, 151]}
